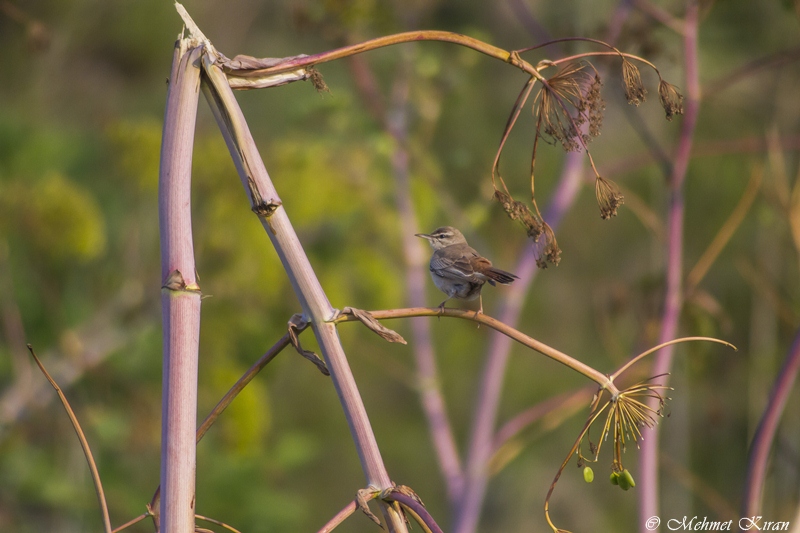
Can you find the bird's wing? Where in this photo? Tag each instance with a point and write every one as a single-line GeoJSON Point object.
{"type": "Point", "coordinates": [460, 263]}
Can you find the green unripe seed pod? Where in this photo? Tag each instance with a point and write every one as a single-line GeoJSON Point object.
{"type": "Point", "coordinates": [614, 479]}
{"type": "Point", "coordinates": [628, 478]}
{"type": "Point", "coordinates": [588, 475]}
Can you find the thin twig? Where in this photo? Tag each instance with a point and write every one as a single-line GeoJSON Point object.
{"type": "Point", "coordinates": [217, 522]}
{"type": "Point", "coordinates": [646, 215]}
{"type": "Point", "coordinates": [98, 484]}
{"type": "Point", "coordinates": [595, 413]}
{"type": "Point", "coordinates": [481, 318]}
{"type": "Point", "coordinates": [129, 523]}
{"type": "Point", "coordinates": [246, 378]}
{"type": "Point", "coordinates": [522, 97]}
{"type": "Point", "coordinates": [339, 517]}
{"type": "Point", "coordinates": [663, 345]}
{"type": "Point", "coordinates": [654, 145]}
{"type": "Point", "coordinates": [576, 57]}
{"type": "Point", "coordinates": [725, 232]}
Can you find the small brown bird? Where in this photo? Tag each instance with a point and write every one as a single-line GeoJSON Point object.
{"type": "Point", "coordinates": [457, 269]}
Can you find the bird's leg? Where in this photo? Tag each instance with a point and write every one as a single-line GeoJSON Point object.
{"type": "Point", "coordinates": [441, 307]}
{"type": "Point", "coordinates": [480, 308]}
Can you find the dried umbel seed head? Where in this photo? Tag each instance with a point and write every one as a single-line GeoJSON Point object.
{"type": "Point", "coordinates": [608, 197]}
{"type": "Point", "coordinates": [520, 212]}
{"type": "Point", "coordinates": [571, 87]}
{"type": "Point", "coordinates": [545, 248]}
{"type": "Point", "coordinates": [671, 99]}
{"type": "Point", "coordinates": [632, 81]}
{"type": "Point", "coordinates": [596, 106]}
{"type": "Point", "coordinates": [505, 200]}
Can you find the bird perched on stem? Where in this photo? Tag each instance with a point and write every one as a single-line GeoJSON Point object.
{"type": "Point", "coordinates": [457, 269]}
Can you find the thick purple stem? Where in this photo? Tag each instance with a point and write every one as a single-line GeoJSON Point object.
{"type": "Point", "coordinates": [648, 458]}
{"type": "Point", "coordinates": [483, 426]}
{"type": "Point", "coordinates": [416, 506]}
{"type": "Point", "coordinates": [767, 427]}
{"type": "Point", "coordinates": [430, 393]}
{"type": "Point", "coordinates": [180, 296]}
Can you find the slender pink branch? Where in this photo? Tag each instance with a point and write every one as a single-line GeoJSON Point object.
{"type": "Point", "coordinates": [767, 427]}
{"type": "Point", "coordinates": [491, 385]}
{"type": "Point", "coordinates": [431, 398]}
{"type": "Point", "coordinates": [180, 297]}
{"type": "Point", "coordinates": [131, 522]}
{"type": "Point", "coordinates": [648, 459]}
{"type": "Point", "coordinates": [567, 401]}
{"type": "Point", "coordinates": [339, 517]}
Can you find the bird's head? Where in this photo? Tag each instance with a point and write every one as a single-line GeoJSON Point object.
{"type": "Point", "coordinates": [443, 237]}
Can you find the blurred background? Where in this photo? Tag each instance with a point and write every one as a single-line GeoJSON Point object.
{"type": "Point", "coordinates": [83, 92]}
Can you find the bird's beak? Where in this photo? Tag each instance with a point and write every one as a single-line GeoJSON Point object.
{"type": "Point", "coordinates": [424, 236]}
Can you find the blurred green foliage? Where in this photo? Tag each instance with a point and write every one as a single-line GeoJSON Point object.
{"type": "Point", "coordinates": [83, 94]}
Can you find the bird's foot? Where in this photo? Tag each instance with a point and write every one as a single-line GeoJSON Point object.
{"type": "Point", "coordinates": [480, 309]}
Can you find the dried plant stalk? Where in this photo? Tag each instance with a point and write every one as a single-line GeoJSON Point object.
{"type": "Point", "coordinates": [316, 307]}
{"type": "Point", "coordinates": [180, 299]}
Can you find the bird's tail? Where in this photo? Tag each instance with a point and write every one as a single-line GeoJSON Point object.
{"type": "Point", "coordinates": [500, 276]}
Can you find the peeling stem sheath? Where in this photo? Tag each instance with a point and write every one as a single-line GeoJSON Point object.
{"type": "Point", "coordinates": [380, 42]}
{"type": "Point", "coordinates": [316, 307]}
